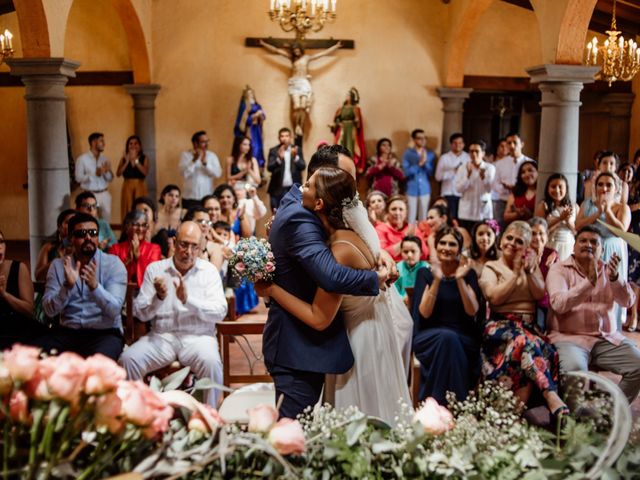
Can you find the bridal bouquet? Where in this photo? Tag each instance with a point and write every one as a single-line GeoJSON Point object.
{"type": "Point", "coordinates": [252, 259]}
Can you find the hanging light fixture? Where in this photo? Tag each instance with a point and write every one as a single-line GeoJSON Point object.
{"type": "Point", "coordinates": [6, 45]}
{"type": "Point", "coordinates": [619, 59]}
{"type": "Point", "coordinates": [302, 15]}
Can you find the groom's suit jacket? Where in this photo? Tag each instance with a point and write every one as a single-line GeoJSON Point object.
{"type": "Point", "coordinates": [303, 263]}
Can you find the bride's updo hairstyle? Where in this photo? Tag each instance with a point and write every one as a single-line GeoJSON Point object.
{"type": "Point", "coordinates": [334, 186]}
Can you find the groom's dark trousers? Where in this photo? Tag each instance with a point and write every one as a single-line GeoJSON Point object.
{"type": "Point", "coordinates": [296, 355]}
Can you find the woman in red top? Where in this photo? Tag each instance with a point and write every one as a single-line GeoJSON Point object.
{"type": "Point", "coordinates": [395, 228]}
{"type": "Point", "coordinates": [134, 251]}
{"type": "Point", "coordinates": [522, 200]}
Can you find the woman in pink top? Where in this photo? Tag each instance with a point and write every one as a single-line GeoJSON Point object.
{"type": "Point", "coordinates": [395, 228]}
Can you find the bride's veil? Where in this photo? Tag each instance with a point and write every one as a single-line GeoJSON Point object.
{"type": "Point", "coordinates": [355, 216]}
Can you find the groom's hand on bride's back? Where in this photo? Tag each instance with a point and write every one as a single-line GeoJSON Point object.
{"type": "Point", "coordinates": [383, 277]}
{"type": "Point", "coordinates": [387, 262]}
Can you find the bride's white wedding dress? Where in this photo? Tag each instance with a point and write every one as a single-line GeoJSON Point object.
{"type": "Point", "coordinates": [379, 328]}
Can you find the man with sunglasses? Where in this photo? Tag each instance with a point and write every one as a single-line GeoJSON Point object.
{"type": "Point", "coordinates": [85, 291]}
{"type": "Point", "coordinates": [86, 202]}
{"type": "Point", "coordinates": [183, 299]}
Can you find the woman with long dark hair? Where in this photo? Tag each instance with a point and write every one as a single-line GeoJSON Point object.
{"type": "Point", "coordinates": [134, 167]}
{"type": "Point", "coordinates": [242, 166]}
{"type": "Point", "coordinates": [385, 174]}
{"type": "Point", "coordinates": [522, 200]}
{"type": "Point", "coordinates": [560, 213]}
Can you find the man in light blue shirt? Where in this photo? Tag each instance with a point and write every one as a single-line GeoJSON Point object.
{"type": "Point", "coordinates": [418, 165]}
{"type": "Point", "coordinates": [86, 291]}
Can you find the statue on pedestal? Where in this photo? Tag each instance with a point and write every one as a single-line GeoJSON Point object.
{"type": "Point", "coordinates": [249, 123]}
{"type": "Point", "coordinates": [349, 129]}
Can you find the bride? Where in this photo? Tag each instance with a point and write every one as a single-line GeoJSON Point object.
{"type": "Point", "coordinates": [377, 381]}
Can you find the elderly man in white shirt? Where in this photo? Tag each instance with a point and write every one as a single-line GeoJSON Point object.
{"type": "Point", "coordinates": [506, 173]}
{"type": "Point", "coordinates": [473, 181]}
{"type": "Point", "coordinates": [199, 167]}
{"type": "Point", "coordinates": [446, 172]}
{"type": "Point", "coordinates": [183, 299]}
{"type": "Point", "coordinates": [93, 173]}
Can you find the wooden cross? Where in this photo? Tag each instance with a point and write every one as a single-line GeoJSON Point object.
{"type": "Point", "coordinates": [312, 44]}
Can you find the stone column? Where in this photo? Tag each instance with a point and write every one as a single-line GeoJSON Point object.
{"type": "Point", "coordinates": [619, 122]}
{"type": "Point", "coordinates": [559, 123]}
{"type": "Point", "coordinates": [47, 157]}
{"type": "Point", "coordinates": [144, 109]}
{"type": "Point", "coordinates": [452, 106]}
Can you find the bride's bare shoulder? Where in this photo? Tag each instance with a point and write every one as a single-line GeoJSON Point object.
{"type": "Point", "coordinates": [350, 250]}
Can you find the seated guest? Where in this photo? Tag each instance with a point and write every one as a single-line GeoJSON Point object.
{"type": "Point", "coordinates": [231, 212]}
{"type": "Point", "coordinates": [411, 249]}
{"type": "Point", "coordinates": [521, 202]}
{"type": "Point", "coordinates": [249, 204]}
{"type": "Point", "coordinates": [86, 203]}
{"type": "Point", "coordinates": [376, 204]}
{"type": "Point", "coordinates": [134, 251]}
{"type": "Point", "coordinates": [169, 211]}
{"type": "Point", "coordinates": [395, 228]}
{"type": "Point", "coordinates": [513, 349]}
{"type": "Point", "coordinates": [145, 205]}
{"type": "Point", "coordinates": [58, 246]}
{"type": "Point", "coordinates": [583, 291]}
{"type": "Point", "coordinates": [182, 297]}
{"type": "Point", "coordinates": [16, 302]}
{"type": "Point", "coordinates": [545, 257]}
{"type": "Point", "coordinates": [211, 251]}
{"type": "Point", "coordinates": [445, 335]}
{"type": "Point", "coordinates": [86, 290]}
{"type": "Point", "coordinates": [483, 244]}
{"type": "Point", "coordinates": [438, 217]}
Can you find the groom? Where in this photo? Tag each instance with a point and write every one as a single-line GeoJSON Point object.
{"type": "Point", "coordinates": [296, 355]}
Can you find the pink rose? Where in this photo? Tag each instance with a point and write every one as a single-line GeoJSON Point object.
{"type": "Point", "coordinates": [36, 388]}
{"type": "Point", "coordinates": [6, 382]}
{"type": "Point", "coordinates": [270, 256]}
{"type": "Point", "coordinates": [103, 375]}
{"type": "Point", "coordinates": [65, 376]}
{"type": "Point", "coordinates": [198, 422]}
{"type": "Point", "coordinates": [22, 362]}
{"type": "Point", "coordinates": [261, 418]}
{"type": "Point", "coordinates": [287, 437]}
{"type": "Point", "coordinates": [240, 254]}
{"type": "Point", "coordinates": [269, 267]}
{"type": "Point", "coordinates": [143, 407]}
{"type": "Point", "coordinates": [19, 407]}
{"type": "Point", "coordinates": [434, 418]}
{"type": "Point", "coordinates": [108, 408]}
{"type": "Point", "coordinates": [240, 267]}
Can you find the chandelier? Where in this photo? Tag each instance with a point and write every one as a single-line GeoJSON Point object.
{"type": "Point", "coordinates": [6, 46]}
{"type": "Point", "coordinates": [619, 59]}
{"type": "Point", "coordinates": [302, 15]}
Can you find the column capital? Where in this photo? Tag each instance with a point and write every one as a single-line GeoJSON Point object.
{"type": "Point", "coordinates": [451, 92]}
{"type": "Point", "coordinates": [557, 73]}
{"type": "Point", "coordinates": [619, 100]}
{"type": "Point", "coordinates": [28, 67]}
{"type": "Point", "coordinates": [144, 94]}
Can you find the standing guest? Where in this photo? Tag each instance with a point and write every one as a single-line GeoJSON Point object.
{"type": "Point", "coordinates": [448, 165]}
{"type": "Point", "coordinates": [626, 172]}
{"type": "Point", "coordinates": [86, 202]}
{"type": "Point", "coordinates": [560, 214]}
{"type": "Point", "coordinates": [513, 349]}
{"type": "Point", "coordinates": [502, 150]}
{"type": "Point", "coordinates": [395, 228]}
{"type": "Point", "coordinates": [584, 291]}
{"type": "Point", "coordinates": [183, 299]}
{"type": "Point", "coordinates": [58, 246]}
{"type": "Point", "coordinates": [506, 176]}
{"type": "Point", "coordinates": [522, 199]}
{"type": "Point", "coordinates": [134, 250]}
{"type": "Point", "coordinates": [93, 173]}
{"type": "Point", "coordinates": [634, 256]}
{"type": "Point", "coordinates": [376, 205]}
{"type": "Point", "coordinates": [169, 213]}
{"type": "Point", "coordinates": [546, 257]}
{"type": "Point", "coordinates": [134, 167]}
{"type": "Point", "coordinates": [86, 290]}
{"type": "Point", "coordinates": [16, 302]}
{"type": "Point", "coordinates": [242, 166]}
{"type": "Point", "coordinates": [408, 267]}
{"type": "Point", "coordinates": [473, 181]}
{"type": "Point", "coordinates": [607, 209]}
{"type": "Point", "coordinates": [199, 167]}
{"type": "Point", "coordinates": [385, 173]}
{"type": "Point", "coordinates": [286, 166]}
{"type": "Point", "coordinates": [418, 164]}
{"type": "Point", "coordinates": [607, 161]}
{"type": "Point", "coordinates": [146, 206]}
{"type": "Point", "coordinates": [483, 244]}
{"type": "Point", "coordinates": [445, 335]}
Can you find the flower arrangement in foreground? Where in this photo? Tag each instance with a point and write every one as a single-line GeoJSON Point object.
{"type": "Point", "coordinates": [253, 260]}
{"type": "Point", "coordinates": [72, 418]}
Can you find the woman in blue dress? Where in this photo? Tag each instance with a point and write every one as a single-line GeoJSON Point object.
{"type": "Point", "coordinates": [446, 336]}
{"type": "Point", "coordinates": [613, 212]}
{"type": "Point", "coordinates": [249, 123]}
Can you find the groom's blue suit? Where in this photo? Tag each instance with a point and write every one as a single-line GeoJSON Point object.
{"type": "Point", "coordinates": [297, 356]}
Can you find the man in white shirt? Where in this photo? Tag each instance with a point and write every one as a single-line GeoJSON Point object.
{"type": "Point", "coordinates": [93, 173]}
{"type": "Point", "coordinates": [446, 172]}
{"type": "Point", "coordinates": [473, 181]}
{"type": "Point", "coordinates": [183, 299]}
{"type": "Point", "coordinates": [199, 167]}
{"type": "Point", "coordinates": [506, 173]}
{"type": "Point", "coordinates": [286, 165]}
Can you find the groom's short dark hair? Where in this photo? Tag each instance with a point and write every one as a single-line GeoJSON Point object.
{"type": "Point", "coordinates": [327, 155]}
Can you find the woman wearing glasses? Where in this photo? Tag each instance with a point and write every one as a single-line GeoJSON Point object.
{"type": "Point", "coordinates": [135, 252]}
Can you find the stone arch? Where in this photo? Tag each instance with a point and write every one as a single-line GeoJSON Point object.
{"type": "Point", "coordinates": [34, 29]}
{"type": "Point", "coordinates": [573, 31]}
{"type": "Point", "coordinates": [138, 52]}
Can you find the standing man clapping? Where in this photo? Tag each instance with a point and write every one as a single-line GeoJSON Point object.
{"type": "Point", "coordinates": [199, 167]}
{"type": "Point", "coordinates": [93, 173]}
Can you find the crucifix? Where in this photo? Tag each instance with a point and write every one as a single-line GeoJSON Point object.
{"type": "Point", "coordinates": [299, 87]}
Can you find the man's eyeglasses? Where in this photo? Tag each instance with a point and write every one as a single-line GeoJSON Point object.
{"type": "Point", "coordinates": [83, 232]}
{"type": "Point", "coordinates": [89, 206]}
{"type": "Point", "coordinates": [202, 221]}
{"type": "Point", "coordinates": [140, 225]}
{"type": "Point", "coordinates": [194, 247]}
